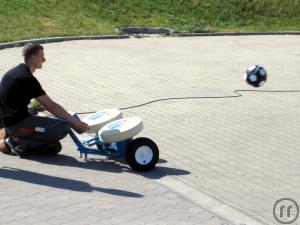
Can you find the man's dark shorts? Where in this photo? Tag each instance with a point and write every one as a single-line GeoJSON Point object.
{"type": "Point", "coordinates": [38, 135]}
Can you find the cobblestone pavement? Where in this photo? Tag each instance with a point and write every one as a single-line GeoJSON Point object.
{"type": "Point", "coordinates": [240, 151]}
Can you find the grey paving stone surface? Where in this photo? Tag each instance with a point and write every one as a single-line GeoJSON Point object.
{"type": "Point", "coordinates": [242, 151]}
{"type": "Point", "coordinates": [64, 190]}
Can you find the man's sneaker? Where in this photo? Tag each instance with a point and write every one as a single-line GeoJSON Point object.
{"type": "Point", "coordinates": [14, 148]}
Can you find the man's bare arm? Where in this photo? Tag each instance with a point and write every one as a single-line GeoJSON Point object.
{"type": "Point", "coordinates": [60, 112]}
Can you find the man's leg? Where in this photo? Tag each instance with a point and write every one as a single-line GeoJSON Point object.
{"type": "Point", "coordinates": [40, 128]}
{"type": "Point", "coordinates": [3, 146]}
{"type": "Point", "coordinates": [38, 147]}
{"type": "Point", "coordinates": [47, 149]}
{"type": "Point", "coordinates": [35, 132]}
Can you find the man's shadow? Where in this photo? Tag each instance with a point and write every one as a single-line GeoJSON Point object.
{"type": "Point", "coordinates": [58, 182]}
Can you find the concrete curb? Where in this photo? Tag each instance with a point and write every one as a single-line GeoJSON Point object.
{"type": "Point", "coordinates": [146, 30]}
{"type": "Point", "coordinates": [236, 34]}
{"type": "Point", "coordinates": [59, 39]}
{"type": "Point", "coordinates": [222, 210]}
{"type": "Point", "coordinates": [73, 38]}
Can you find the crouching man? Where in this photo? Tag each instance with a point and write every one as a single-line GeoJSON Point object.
{"type": "Point", "coordinates": [22, 133]}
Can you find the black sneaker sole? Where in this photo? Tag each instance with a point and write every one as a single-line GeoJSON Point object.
{"type": "Point", "coordinates": [12, 149]}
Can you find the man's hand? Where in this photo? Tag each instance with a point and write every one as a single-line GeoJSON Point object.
{"type": "Point", "coordinates": [80, 127]}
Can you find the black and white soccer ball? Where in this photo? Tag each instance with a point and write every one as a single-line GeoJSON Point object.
{"type": "Point", "coordinates": [256, 76]}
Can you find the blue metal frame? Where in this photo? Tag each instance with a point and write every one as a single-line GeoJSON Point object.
{"type": "Point", "coordinates": [116, 149]}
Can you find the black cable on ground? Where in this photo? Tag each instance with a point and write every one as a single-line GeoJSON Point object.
{"type": "Point", "coordinates": [237, 92]}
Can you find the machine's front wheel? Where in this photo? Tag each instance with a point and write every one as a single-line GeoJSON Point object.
{"type": "Point", "coordinates": [142, 154]}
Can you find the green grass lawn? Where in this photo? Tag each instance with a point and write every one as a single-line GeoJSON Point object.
{"type": "Point", "coordinates": [23, 19]}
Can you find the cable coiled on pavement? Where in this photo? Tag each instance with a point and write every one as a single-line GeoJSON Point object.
{"type": "Point", "coordinates": [237, 95]}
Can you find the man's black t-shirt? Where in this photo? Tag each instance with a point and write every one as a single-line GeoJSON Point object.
{"type": "Point", "coordinates": [17, 87]}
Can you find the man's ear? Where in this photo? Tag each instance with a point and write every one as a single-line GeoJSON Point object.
{"type": "Point", "coordinates": [32, 58]}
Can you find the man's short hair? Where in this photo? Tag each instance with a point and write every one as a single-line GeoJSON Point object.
{"type": "Point", "coordinates": [30, 50]}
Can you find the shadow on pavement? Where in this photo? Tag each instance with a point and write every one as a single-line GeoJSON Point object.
{"type": "Point", "coordinates": [159, 172]}
{"type": "Point", "coordinates": [162, 161]}
{"type": "Point", "coordinates": [58, 182]}
{"type": "Point", "coordinates": [97, 164]}
{"type": "Point", "coordinates": [108, 165]}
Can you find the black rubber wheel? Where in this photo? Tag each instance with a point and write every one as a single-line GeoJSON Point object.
{"type": "Point", "coordinates": [142, 154]}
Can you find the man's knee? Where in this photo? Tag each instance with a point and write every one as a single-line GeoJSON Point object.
{"type": "Point", "coordinates": [61, 129]}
